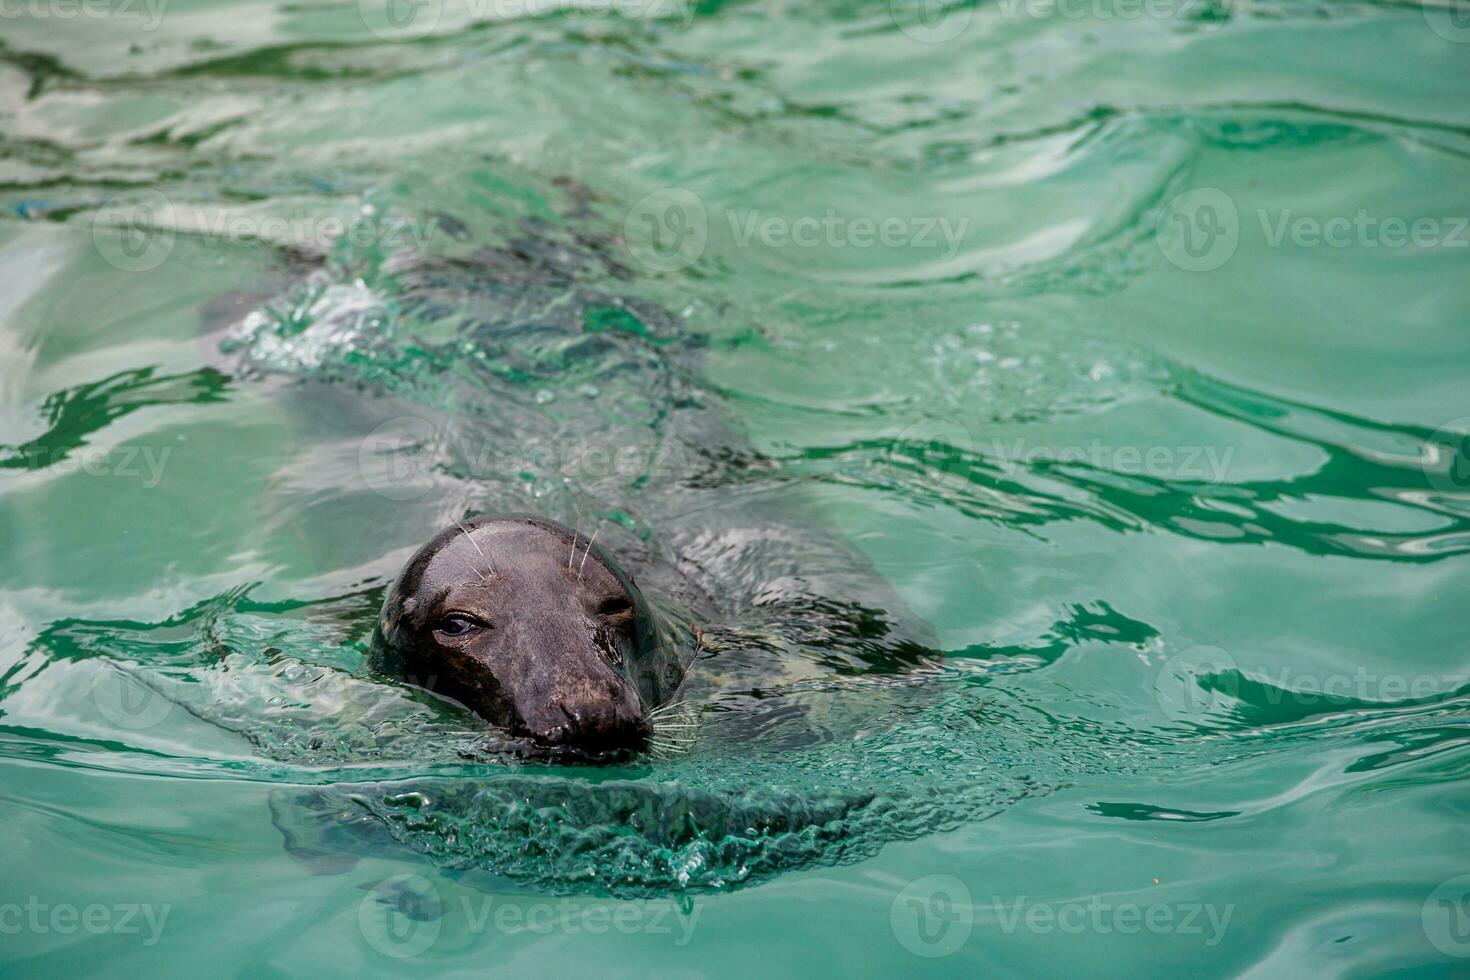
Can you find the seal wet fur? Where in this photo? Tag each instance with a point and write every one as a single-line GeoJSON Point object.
{"type": "Point", "coordinates": [536, 630]}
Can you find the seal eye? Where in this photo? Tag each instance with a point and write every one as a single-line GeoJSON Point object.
{"type": "Point", "coordinates": [457, 625]}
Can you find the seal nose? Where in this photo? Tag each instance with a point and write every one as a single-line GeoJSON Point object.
{"type": "Point", "coordinates": [598, 721]}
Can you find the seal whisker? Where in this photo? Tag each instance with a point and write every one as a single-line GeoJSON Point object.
{"type": "Point", "coordinates": [488, 563]}
{"type": "Point", "coordinates": [668, 749]}
{"type": "Point", "coordinates": [467, 564]}
{"type": "Point", "coordinates": [576, 530]}
{"type": "Point", "coordinates": [596, 531]}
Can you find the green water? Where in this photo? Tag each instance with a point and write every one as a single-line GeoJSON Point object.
{"type": "Point", "coordinates": [1128, 342]}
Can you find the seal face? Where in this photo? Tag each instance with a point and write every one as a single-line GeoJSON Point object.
{"type": "Point", "coordinates": [533, 628]}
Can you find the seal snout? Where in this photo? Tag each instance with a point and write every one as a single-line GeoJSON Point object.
{"type": "Point", "coordinates": [596, 721]}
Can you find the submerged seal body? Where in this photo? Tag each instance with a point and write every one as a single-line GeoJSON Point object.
{"type": "Point", "coordinates": [535, 629]}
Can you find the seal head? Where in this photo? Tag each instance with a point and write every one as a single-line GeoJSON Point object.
{"type": "Point", "coordinates": [536, 630]}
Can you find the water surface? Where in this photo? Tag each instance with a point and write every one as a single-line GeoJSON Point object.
{"type": "Point", "coordinates": [1127, 344]}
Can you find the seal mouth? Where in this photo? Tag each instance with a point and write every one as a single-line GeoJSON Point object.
{"type": "Point", "coordinates": [532, 749]}
{"type": "Point", "coordinates": [582, 744]}
{"type": "Point", "coordinates": [576, 743]}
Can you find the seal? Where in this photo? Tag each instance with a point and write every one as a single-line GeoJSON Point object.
{"type": "Point", "coordinates": [534, 628]}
